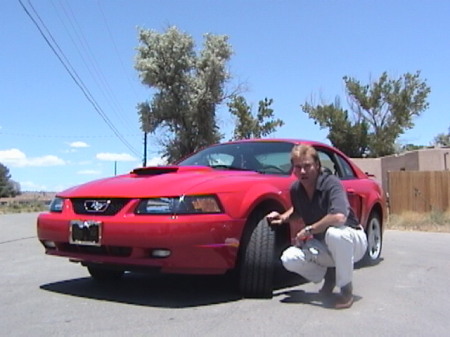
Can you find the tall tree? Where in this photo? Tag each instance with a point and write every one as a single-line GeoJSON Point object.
{"type": "Point", "coordinates": [385, 107]}
{"type": "Point", "coordinates": [350, 137]}
{"type": "Point", "coordinates": [248, 126]}
{"type": "Point", "coordinates": [8, 187]}
{"type": "Point", "coordinates": [188, 86]}
{"type": "Point", "coordinates": [442, 139]}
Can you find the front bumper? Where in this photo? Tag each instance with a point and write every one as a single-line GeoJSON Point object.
{"type": "Point", "coordinates": [191, 244]}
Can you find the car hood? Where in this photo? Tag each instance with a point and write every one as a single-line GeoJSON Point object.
{"type": "Point", "coordinates": [166, 180]}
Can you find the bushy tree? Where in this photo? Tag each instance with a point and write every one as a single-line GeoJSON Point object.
{"type": "Point", "coordinates": [187, 88]}
{"type": "Point", "coordinates": [8, 187]}
{"type": "Point", "coordinates": [248, 126]}
{"type": "Point", "coordinates": [351, 137]}
{"type": "Point", "coordinates": [442, 139]}
{"type": "Point", "coordinates": [385, 108]}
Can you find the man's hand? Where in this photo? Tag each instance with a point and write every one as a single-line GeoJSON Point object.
{"type": "Point", "coordinates": [275, 218]}
{"type": "Point", "coordinates": [302, 236]}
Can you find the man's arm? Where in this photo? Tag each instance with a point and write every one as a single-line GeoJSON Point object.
{"type": "Point", "coordinates": [276, 218]}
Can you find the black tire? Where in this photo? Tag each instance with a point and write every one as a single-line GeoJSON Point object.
{"type": "Point", "coordinates": [374, 234]}
{"type": "Point", "coordinates": [256, 263]}
{"type": "Point", "coordinates": [100, 273]}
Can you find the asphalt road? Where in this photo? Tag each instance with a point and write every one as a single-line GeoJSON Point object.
{"type": "Point", "coordinates": [406, 294]}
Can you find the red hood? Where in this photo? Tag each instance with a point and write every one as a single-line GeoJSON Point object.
{"type": "Point", "coordinates": [157, 181]}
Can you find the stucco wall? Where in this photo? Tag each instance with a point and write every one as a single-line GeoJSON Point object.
{"type": "Point", "coordinates": [435, 159]}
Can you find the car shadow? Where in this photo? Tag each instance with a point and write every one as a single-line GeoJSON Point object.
{"type": "Point", "coordinates": [164, 291]}
{"type": "Point", "coordinates": [177, 291]}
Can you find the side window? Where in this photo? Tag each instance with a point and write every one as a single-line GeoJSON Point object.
{"type": "Point", "coordinates": [335, 164]}
{"type": "Point", "coordinates": [327, 162]}
{"type": "Point", "coordinates": [346, 169]}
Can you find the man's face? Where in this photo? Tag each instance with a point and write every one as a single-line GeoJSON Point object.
{"type": "Point", "coordinates": [305, 169]}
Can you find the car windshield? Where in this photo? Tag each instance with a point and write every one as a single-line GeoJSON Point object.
{"type": "Point", "coordinates": [263, 157]}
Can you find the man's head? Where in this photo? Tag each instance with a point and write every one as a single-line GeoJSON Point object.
{"type": "Point", "coordinates": [306, 163]}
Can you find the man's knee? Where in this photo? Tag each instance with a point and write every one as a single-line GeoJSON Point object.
{"type": "Point", "coordinates": [337, 235]}
{"type": "Point", "coordinates": [291, 258]}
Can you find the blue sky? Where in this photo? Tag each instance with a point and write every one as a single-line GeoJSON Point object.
{"type": "Point", "coordinates": [292, 51]}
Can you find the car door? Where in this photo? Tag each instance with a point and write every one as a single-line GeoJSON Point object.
{"type": "Point", "coordinates": [336, 164]}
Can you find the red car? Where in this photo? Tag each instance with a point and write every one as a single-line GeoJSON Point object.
{"type": "Point", "coordinates": [204, 215]}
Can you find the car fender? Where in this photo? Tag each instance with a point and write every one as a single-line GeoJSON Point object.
{"type": "Point", "coordinates": [259, 193]}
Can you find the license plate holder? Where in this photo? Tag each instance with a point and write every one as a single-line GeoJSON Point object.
{"type": "Point", "coordinates": [85, 232]}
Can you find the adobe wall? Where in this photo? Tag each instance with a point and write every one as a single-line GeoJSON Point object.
{"type": "Point", "coordinates": [435, 159]}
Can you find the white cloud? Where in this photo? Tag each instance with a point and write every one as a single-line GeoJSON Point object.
{"type": "Point", "coordinates": [30, 186]}
{"type": "Point", "coordinates": [115, 157]}
{"type": "Point", "coordinates": [89, 172]}
{"type": "Point", "coordinates": [78, 144]}
{"type": "Point", "coordinates": [156, 161]}
{"type": "Point", "coordinates": [17, 158]}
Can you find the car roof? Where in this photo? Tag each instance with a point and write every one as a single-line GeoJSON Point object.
{"type": "Point", "coordinates": [281, 140]}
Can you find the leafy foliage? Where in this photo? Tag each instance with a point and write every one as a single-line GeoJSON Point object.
{"type": "Point", "coordinates": [350, 137]}
{"type": "Point", "coordinates": [383, 110]}
{"type": "Point", "coordinates": [443, 139]}
{"type": "Point", "coordinates": [8, 187]}
{"type": "Point", "coordinates": [248, 126]}
{"type": "Point", "coordinates": [188, 87]}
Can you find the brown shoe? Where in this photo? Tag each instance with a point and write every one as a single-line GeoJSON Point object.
{"type": "Point", "coordinates": [345, 299]}
{"type": "Point", "coordinates": [330, 282]}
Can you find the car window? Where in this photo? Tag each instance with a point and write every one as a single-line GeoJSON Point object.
{"type": "Point", "coordinates": [219, 159]}
{"type": "Point", "coordinates": [281, 160]}
{"type": "Point", "coordinates": [264, 157]}
{"type": "Point", "coordinates": [346, 169]}
{"type": "Point", "coordinates": [327, 162]}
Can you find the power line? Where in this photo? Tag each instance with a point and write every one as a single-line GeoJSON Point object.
{"type": "Point", "coordinates": [73, 74]}
{"type": "Point", "coordinates": [92, 66]}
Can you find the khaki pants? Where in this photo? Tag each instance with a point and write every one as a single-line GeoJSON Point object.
{"type": "Point", "coordinates": [343, 247]}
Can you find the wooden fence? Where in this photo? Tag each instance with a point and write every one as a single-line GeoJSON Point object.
{"type": "Point", "coordinates": [419, 191]}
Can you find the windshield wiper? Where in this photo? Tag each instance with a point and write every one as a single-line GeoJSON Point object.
{"type": "Point", "coordinates": [232, 168]}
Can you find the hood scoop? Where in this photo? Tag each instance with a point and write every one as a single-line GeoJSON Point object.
{"type": "Point", "coordinates": [157, 170]}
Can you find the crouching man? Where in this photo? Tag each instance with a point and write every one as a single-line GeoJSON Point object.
{"type": "Point", "coordinates": [332, 239]}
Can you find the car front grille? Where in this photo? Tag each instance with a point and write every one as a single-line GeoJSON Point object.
{"type": "Point", "coordinates": [81, 205]}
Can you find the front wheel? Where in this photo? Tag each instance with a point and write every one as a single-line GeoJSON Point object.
{"type": "Point", "coordinates": [257, 261]}
{"type": "Point", "coordinates": [374, 240]}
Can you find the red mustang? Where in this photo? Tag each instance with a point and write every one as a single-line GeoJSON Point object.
{"type": "Point", "coordinates": [201, 216]}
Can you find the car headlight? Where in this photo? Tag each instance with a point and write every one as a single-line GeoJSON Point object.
{"type": "Point", "coordinates": [56, 205]}
{"type": "Point", "coordinates": [194, 204]}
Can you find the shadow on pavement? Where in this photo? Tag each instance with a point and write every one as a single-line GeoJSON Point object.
{"type": "Point", "coordinates": [165, 291]}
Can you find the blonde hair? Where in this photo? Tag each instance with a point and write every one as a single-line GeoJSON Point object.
{"type": "Point", "coordinates": [301, 150]}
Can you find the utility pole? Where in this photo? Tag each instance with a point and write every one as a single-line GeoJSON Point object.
{"type": "Point", "coordinates": [144, 164]}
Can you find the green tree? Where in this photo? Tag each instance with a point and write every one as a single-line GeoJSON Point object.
{"type": "Point", "coordinates": [187, 88]}
{"type": "Point", "coordinates": [411, 147]}
{"type": "Point", "coordinates": [350, 137]}
{"type": "Point", "coordinates": [442, 139]}
{"type": "Point", "coordinates": [8, 187]}
{"type": "Point", "coordinates": [385, 107]}
{"type": "Point", "coordinates": [248, 126]}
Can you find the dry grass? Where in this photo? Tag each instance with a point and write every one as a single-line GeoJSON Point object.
{"type": "Point", "coordinates": [428, 222]}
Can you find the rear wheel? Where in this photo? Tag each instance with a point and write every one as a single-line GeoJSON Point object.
{"type": "Point", "coordinates": [256, 268]}
{"type": "Point", "coordinates": [100, 273]}
{"type": "Point", "coordinates": [374, 239]}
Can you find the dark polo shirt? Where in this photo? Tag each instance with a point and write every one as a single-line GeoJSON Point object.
{"type": "Point", "coordinates": [329, 198]}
